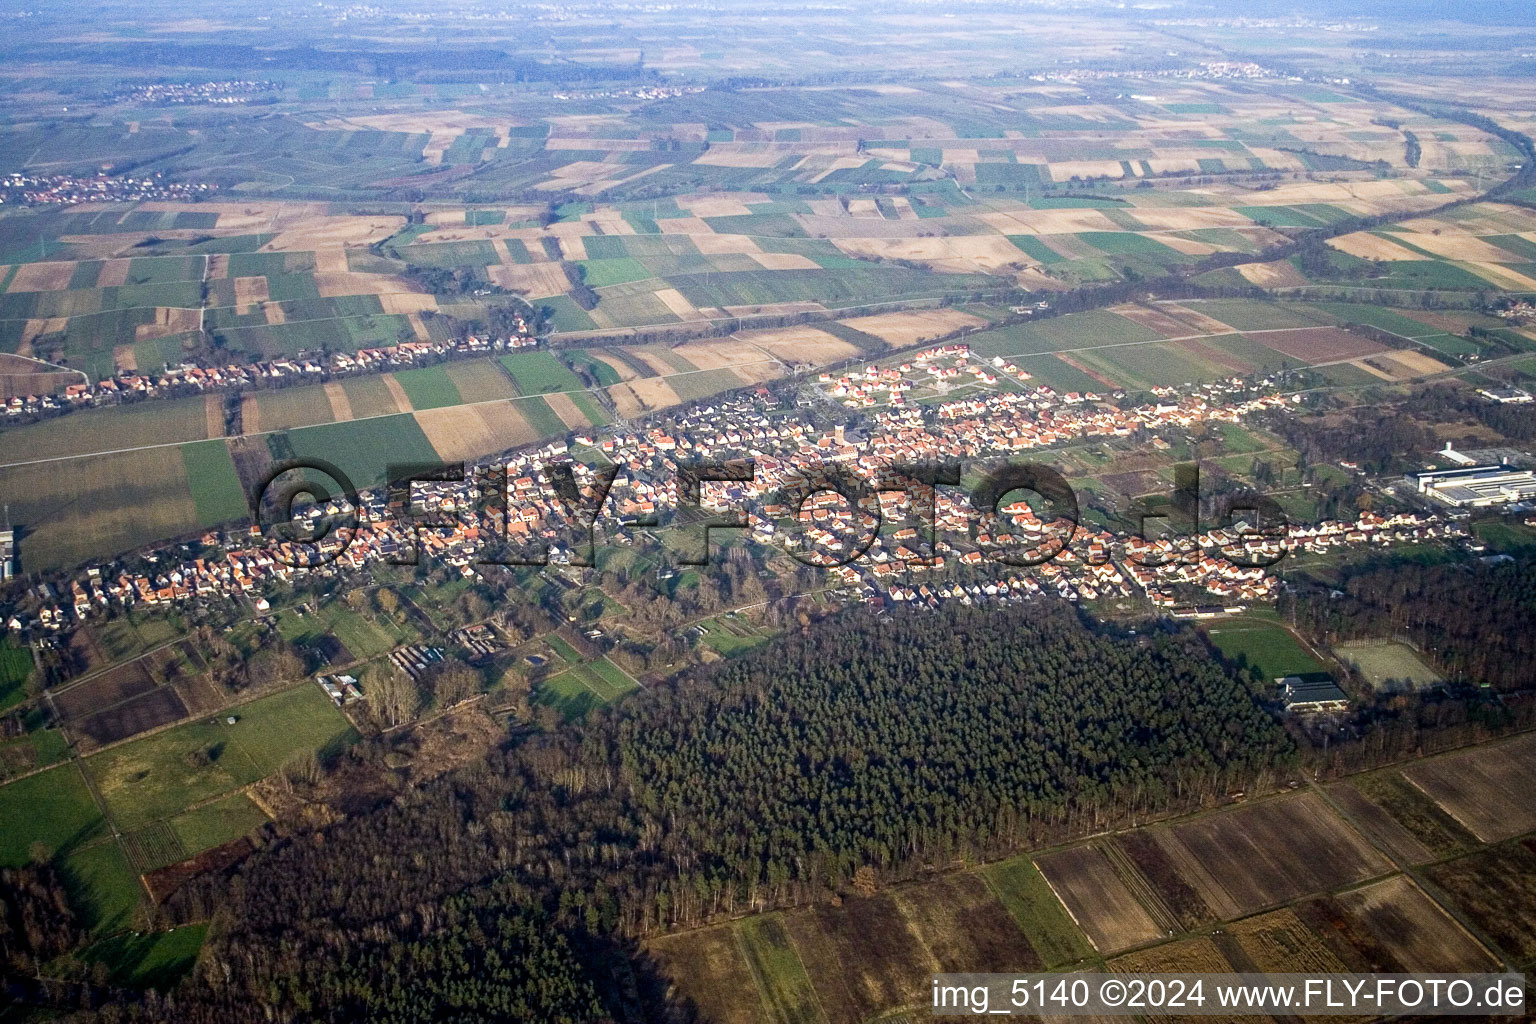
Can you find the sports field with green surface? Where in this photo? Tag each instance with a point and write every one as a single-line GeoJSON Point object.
{"type": "Point", "coordinates": [567, 694]}
{"type": "Point", "coordinates": [1267, 648]}
{"type": "Point", "coordinates": [365, 635]}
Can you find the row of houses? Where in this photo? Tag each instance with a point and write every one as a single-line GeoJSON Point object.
{"type": "Point", "coordinates": [787, 450]}
{"type": "Point", "coordinates": [177, 381]}
{"type": "Point", "coordinates": [67, 189]}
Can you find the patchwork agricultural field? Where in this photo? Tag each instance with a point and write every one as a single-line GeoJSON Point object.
{"type": "Point", "coordinates": [886, 215]}
{"type": "Point", "coordinates": [317, 276]}
{"type": "Point", "coordinates": [1269, 853]}
{"type": "Point", "coordinates": [471, 409]}
{"type": "Point", "coordinates": [103, 481]}
{"type": "Point", "coordinates": [1283, 885]}
{"type": "Point", "coordinates": [1483, 789]}
{"type": "Point", "coordinates": [1099, 899]}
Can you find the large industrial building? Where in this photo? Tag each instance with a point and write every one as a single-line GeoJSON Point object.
{"type": "Point", "coordinates": [1476, 486]}
{"type": "Point", "coordinates": [7, 553]}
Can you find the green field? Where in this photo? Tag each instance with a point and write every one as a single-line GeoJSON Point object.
{"type": "Point", "coordinates": [1023, 891]}
{"type": "Point", "coordinates": [216, 491]}
{"type": "Point", "coordinates": [1033, 247]}
{"type": "Point", "coordinates": [589, 408]}
{"type": "Point", "coordinates": [477, 253]}
{"type": "Point", "coordinates": [217, 823]}
{"type": "Point", "coordinates": [607, 679]}
{"type": "Point", "coordinates": [583, 686]}
{"type": "Point", "coordinates": [99, 505]}
{"type": "Point", "coordinates": [849, 286]}
{"type": "Point", "coordinates": [1375, 316]}
{"type": "Point", "coordinates": [479, 380]}
{"type": "Point", "coordinates": [37, 747]}
{"type": "Point", "coordinates": [731, 636]}
{"type": "Point", "coordinates": [565, 314]}
{"type": "Point", "coordinates": [604, 374]}
{"type": "Point", "coordinates": [1240, 440]}
{"type": "Point", "coordinates": [1148, 365]}
{"type": "Point", "coordinates": [1256, 315]}
{"type": "Point", "coordinates": [363, 449]}
{"type": "Point", "coordinates": [429, 387]}
{"type": "Point", "coordinates": [1498, 534]}
{"type": "Point", "coordinates": [1279, 216]}
{"type": "Point", "coordinates": [95, 430]}
{"type": "Point", "coordinates": [287, 408]}
{"type": "Point", "coordinates": [1128, 243]}
{"type": "Point", "coordinates": [53, 808]}
{"type": "Point", "coordinates": [15, 667]}
{"type": "Point", "coordinates": [152, 354]}
{"type": "Point", "coordinates": [693, 385]}
{"type": "Point", "coordinates": [159, 776]}
{"type": "Point", "coordinates": [1349, 375]}
{"type": "Point", "coordinates": [1381, 663]}
{"type": "Point", "coordinates": [540, 416]}
{"type": "Point", "coordinates": [1061, 334]}
{"type": "Point", "coordinates": [1059, 376]}
{"type": "Point", "coordinates": [567, 694]}
{"type": "Point", "coordinates": [538, 373]}
{"type": "Point", "coordinates": [600, 272]}
{"type": "Point", "coordinates": [103, 887]}
{"type": "Point", "coordinates": [369, 396]}
{"type": "Point", "coordinates": [366, 636]}
{"type": "Point", "coordinates": [154, 960]}
{"type": "Point", "coordinates": [561, 647]}
{"type": "Point", "coordinates": [782, 982]}
{"type": "Point", "coordinates": [1266, 648]}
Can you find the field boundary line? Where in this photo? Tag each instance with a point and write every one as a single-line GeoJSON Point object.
{"type": "Point", "coordinates": [1411, 873]}
{"type": "Point", "coordinates": [359, 419]}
